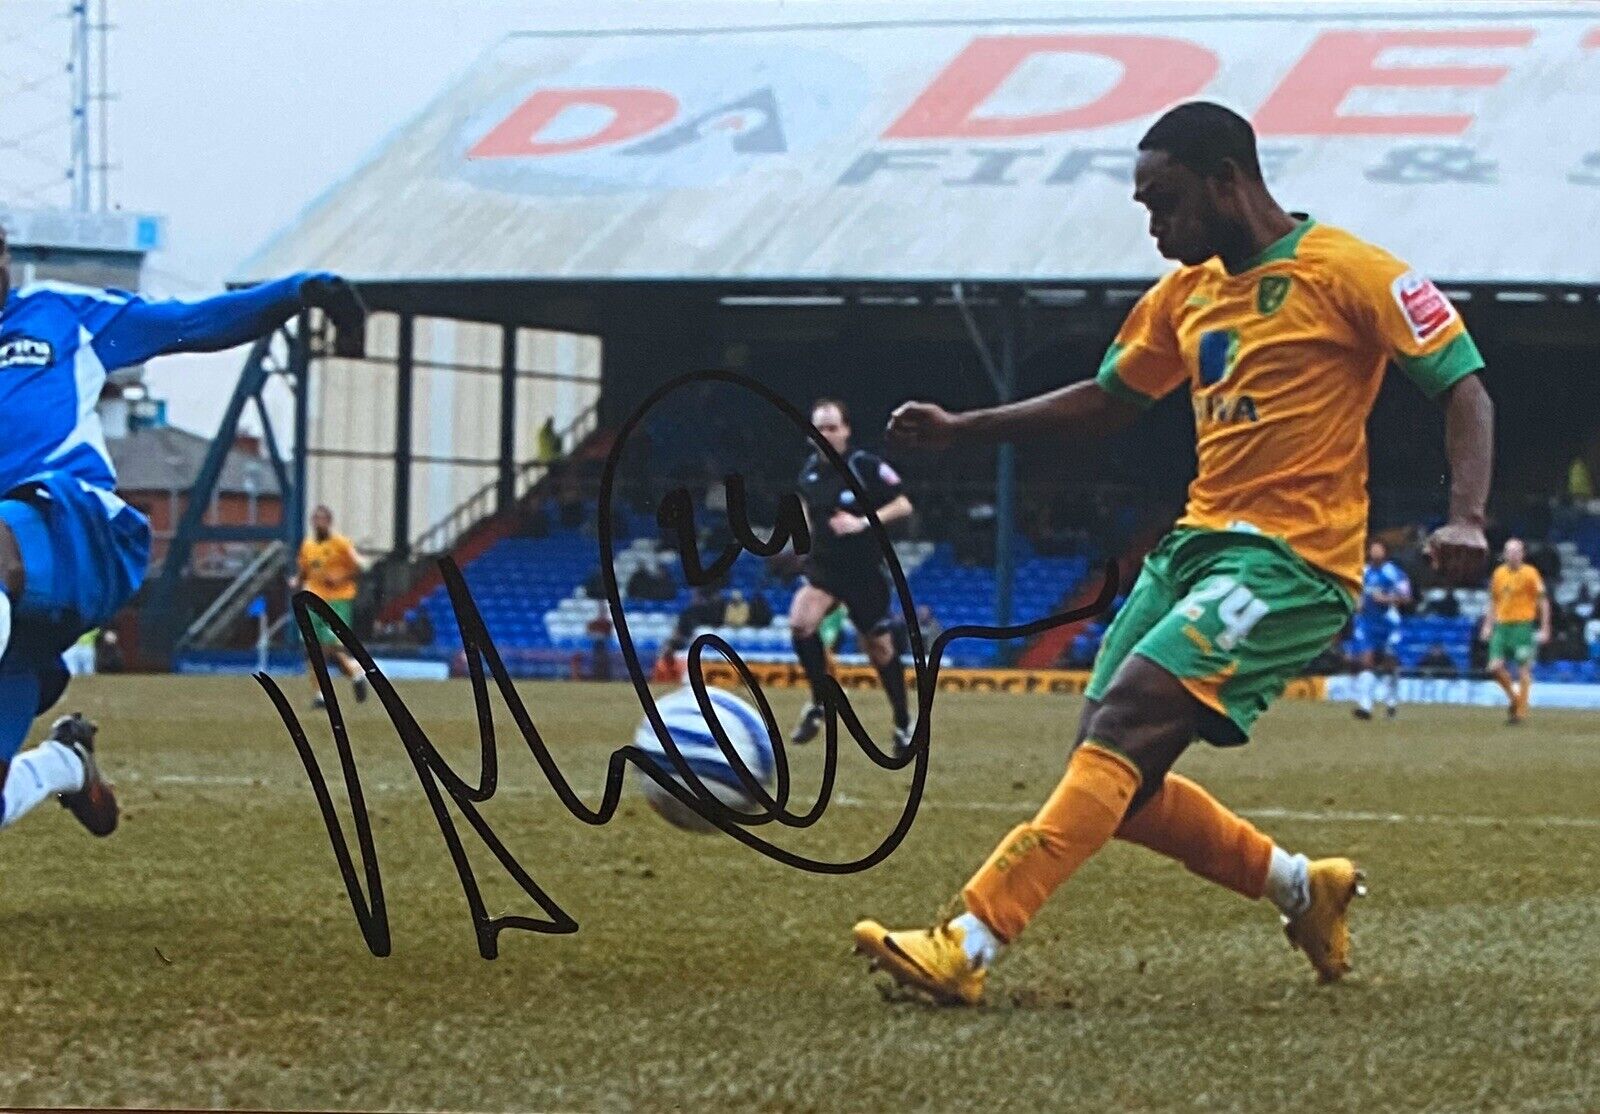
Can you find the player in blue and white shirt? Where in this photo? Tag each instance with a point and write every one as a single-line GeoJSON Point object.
{"type": "Point", "coordinates": [1385, 589]}
{"type": "Point", "coordinates": [71, 552]}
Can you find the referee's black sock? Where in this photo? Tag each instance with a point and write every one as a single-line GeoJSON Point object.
{"type": "Point", "coordinates": [893, 676]}
{"type": "Point", "coordinates": [814, 661]}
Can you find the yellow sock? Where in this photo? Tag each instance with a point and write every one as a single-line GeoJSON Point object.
{"type": "Point", "coordinates": [1184, 822]}
{"type": "Point", "coordinates": [1078, 819]}
{"type": "Point", "coordinates": [1503, 678]}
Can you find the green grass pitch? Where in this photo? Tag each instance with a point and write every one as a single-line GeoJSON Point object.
{"type": "Point", "coordinates": [206, 954]}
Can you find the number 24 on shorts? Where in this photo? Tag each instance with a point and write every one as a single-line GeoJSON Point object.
{"type": "Point", "coordinates": [1237, 608]}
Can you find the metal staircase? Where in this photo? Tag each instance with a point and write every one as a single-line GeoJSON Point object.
{"type": "Point", "coordinates": [442, 536]}
{"type": "Point", "coordinates": [266, 571]}
{"type": "Point", "coordinates": [284, 355]}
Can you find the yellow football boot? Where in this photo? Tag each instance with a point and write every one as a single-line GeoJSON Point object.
{"type": "Point", "coordinates": [930, 959]}
{"type": "Point", "coordinates": [1323, 930]}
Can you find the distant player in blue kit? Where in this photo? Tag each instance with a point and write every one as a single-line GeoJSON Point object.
{"type": "Point", "coordinates": [1385, 589]}
{"type": "Point", "coordinates": [71, 552]}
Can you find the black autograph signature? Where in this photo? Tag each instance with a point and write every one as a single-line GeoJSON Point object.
{"type": "Point", "coordinates": [440, 780]}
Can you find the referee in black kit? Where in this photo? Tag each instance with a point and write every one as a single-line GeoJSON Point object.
{"type": "Point", "coordinates": [845, 566]}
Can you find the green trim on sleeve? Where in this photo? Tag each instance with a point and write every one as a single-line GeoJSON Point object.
{"type": "Point", "coordinates": [1112, 383]}
{"type": "Point", "coordinates": [1438, 371]}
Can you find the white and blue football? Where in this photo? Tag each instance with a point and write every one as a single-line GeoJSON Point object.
{"type": "Point", "coordinates": [692, 735]}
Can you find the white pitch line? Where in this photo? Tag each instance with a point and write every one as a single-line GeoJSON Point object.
{"type": "Point", "coordinates": [1401, 818]}
{"type": "Point", "coordinates": [1020, 808]}
{"type": "Point", "coordinates": [1326, 816]}
{"type": "Point", "coordinates": [222, 781]}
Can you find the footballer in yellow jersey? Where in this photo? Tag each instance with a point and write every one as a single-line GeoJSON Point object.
{"type": "Point", "coordinates": [1516, 598]}
{"type": "Point", "coordinates": [329, 568]}
{"type": "Point", "coordinates": [1281, 327]}
{"type": "Point", "coordinates": [1283, 357]}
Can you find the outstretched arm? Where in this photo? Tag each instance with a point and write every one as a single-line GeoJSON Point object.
{"type": "Point", "coordinates": [141, 330]}
{"type": "Point", "coordinates": [1458, 549]}
{"type": "Point", "coordinates": [1083, 409]}
{"type": "Point", "coordinates": [1143, 364]}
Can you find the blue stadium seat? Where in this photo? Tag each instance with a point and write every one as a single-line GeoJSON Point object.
{"type": "Point", "coordinates": [518, 581]}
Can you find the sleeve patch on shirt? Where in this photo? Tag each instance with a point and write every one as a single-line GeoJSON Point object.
{"type": "Point", "coordinates": [1426, 310]}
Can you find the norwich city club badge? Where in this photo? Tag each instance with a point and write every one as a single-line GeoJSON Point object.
{"type": "Point", "coordinates": [1271, 292]}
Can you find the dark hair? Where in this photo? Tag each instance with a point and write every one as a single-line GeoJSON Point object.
{"type": "Point", "coordinates": [844, 411]}
{"type": "Point", "coordinates": [1200, 135]}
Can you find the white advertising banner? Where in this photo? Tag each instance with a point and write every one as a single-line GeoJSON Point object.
{"type": "Point", "coordinates": [993, 145]}
{"type": "Point", "coordinates": [1435, 690]}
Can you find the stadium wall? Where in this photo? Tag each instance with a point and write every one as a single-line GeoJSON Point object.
{"type": "Point", "coordinates": [1059, 682]}
{"type": "Point", "coordinates": [455, 420]}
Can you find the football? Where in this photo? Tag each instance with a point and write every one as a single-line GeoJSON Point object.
{"type": "Point", "coordinates": [692, 735]}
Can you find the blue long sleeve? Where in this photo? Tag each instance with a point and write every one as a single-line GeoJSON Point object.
{"type": "Point", "coordinates": [141, 330]}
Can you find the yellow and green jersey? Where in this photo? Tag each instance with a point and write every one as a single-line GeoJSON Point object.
{"type": "Point", "coordinates": [1516, 593]}
{"type": "Point", "coordinates": [1283, 360]}
{"type": "Point", "coordinates": [330, 567]}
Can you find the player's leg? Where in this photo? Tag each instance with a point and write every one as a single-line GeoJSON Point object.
{"type": "Point", "coordinates": [325, 643]}
{"type": "Point", "coordinates": [1185, 823]}
{"type": "Point", "coordinates": [333, 651]}
{"type": "Point", "coordinates": [1366, 678]}
{"type": "Point", "coordinates": [352, 669]}
{"type": "Point", "coordinates": [1180, 820]}
{"type": "Point", "coordinates": [1391, 673]}
{"type": "Point", "coordinates": [1174, 816]}
{"type": "Point", "coordinates": [1391, 688]}
{"type": "Point", "coordinates": [46, 770]}
{"type": "Point", "coordinates": [346, 663]}
{"type": "Point", "coordinates": [1232, 644]}
{"type": "Point", "coordinates": [1499, 652]}
{"type": "Point", "coordinates": [11, 581]}
{"type": "Point", "coordinates": [868, 605]}
{"type": "Point", "coordinates": [1526, 653]}
{"type": "Point", "coordinates": [1275, 618]}
{"type": "Point", "coordinates": [1210, 665]}
{"type": "Point", "coordinates": [806, 612]}
{"type": "Point", "coordinates": [1142, 724]}
{"type": "Point", "coordinates": [323, 638]}
{"type": "Point", "coordinates": [1145, 721]}
{"type": "Point", "coordinates": [346, 611]}
{"type": "Point", "coordinates": [62, 766]}
{"type": "Point", "coordinates": [69, 559]}
{"type": "Point", "coordinates": [951, 961]}
{"type": "Point", "coordinates": [53, 768]}
{"type": "Point", "coordinates": [341, 657]}
{"type": "Point", "coordinates": [891, 671]}
{"type": "Point", "coordinates": [1502, 677]}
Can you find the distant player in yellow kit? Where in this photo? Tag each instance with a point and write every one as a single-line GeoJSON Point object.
{"type": "Point", "coordinates": [1281, 327]}
{"type": "Point", "coordinates": [330, 569]}
{"type": "Point", "coordinates": [1516, 598]}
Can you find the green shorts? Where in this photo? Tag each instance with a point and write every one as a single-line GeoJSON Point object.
{"type": "Point", "coordinates": [345, 609]}
{"type": "Point", "coordinates": [1233, 615]}
{"type": "Point", "coordinates": [1512, 642]}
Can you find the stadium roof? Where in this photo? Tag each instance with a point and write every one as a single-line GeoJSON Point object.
{"type": "Point", "coordinates": [973, 145]}
{"type": "Point", "coordinates": [164, 458]}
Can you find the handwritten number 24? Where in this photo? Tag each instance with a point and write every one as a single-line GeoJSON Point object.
{"type": "Point", "coordinates": [1237, 608]}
